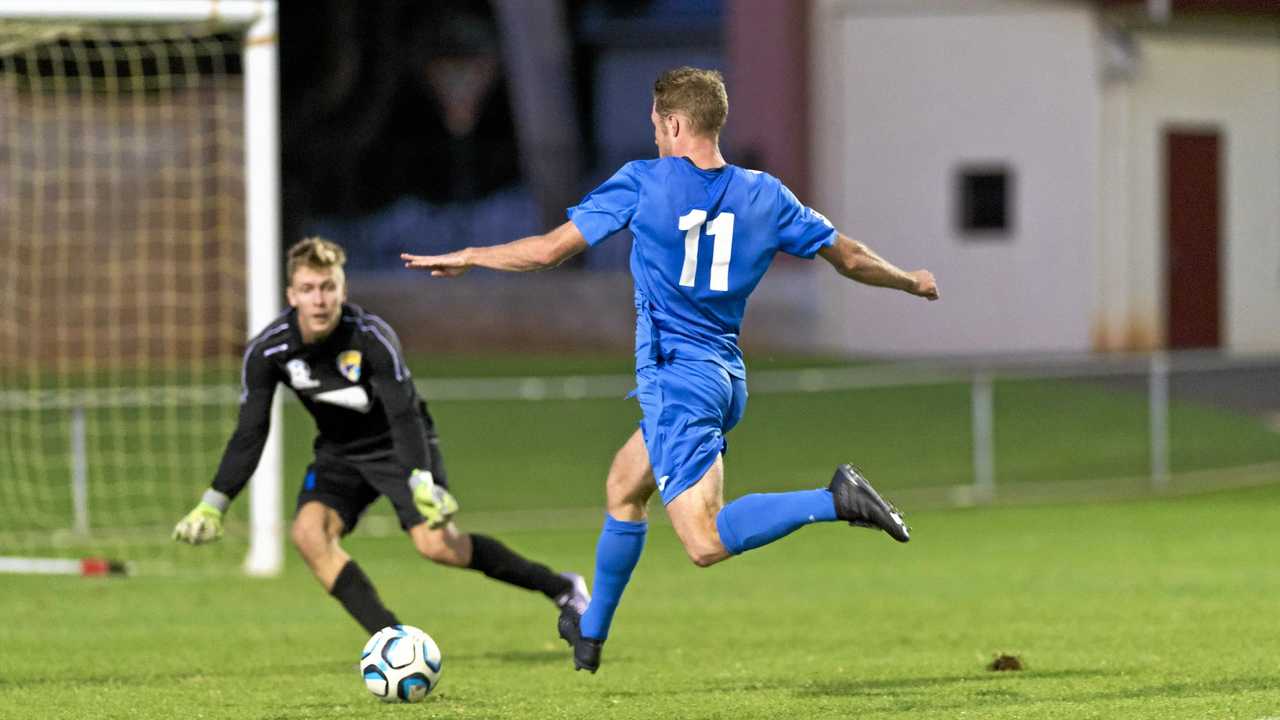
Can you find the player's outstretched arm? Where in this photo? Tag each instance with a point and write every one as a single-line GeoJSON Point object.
{"type": "Point", "coordinates": [536, 252]}
{"type": "Point", "coordinates": [858, 262]}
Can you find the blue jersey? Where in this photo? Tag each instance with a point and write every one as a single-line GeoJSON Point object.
{"type": "Point", "coordinates": [703, 240]}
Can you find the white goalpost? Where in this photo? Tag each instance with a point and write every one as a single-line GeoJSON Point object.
{"type": "Point", "coordinates": [139, 248]}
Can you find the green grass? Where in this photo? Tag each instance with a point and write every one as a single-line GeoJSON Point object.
{"type": "Point", "coordinates": [904, 437]}
{"type": "Point", "coordinates": [1158, 609]}
{"type": "Point", "coordinates": [516, 365]}
{"type": "Point", "coordinates": [148, 465]}
{"type": "Point", "coordinates": [215, 371]}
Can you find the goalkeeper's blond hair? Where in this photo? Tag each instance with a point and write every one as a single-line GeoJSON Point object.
{"type": "Point", "coordinates": [317, 254]}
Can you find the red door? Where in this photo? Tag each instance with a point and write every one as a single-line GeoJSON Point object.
{"type": "Point", "coordinates": [1193, 223]}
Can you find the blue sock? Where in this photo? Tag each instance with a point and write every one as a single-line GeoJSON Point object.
{"type": "Point", "coordinates": [755, 520]}
{"type": "Point", "coordinates": [616, 556]}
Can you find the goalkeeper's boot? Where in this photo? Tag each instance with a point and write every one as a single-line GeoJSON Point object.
{"type": "Point", "coordinates": [586, 651]}
{"type": "Point", "coordinates": [577, 597]}
{"type": "Point", "coordinates": [859, 503]}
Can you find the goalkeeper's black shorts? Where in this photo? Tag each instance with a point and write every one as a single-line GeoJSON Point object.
{"type": "Point", "coordinates": [350, 484]}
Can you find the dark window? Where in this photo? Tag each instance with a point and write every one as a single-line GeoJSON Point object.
{"type": "Point", "coordinates": [985, 202]}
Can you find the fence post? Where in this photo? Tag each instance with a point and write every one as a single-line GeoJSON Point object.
{"type": "Point", "coordinates": [984, 473]}
{"type": "Point", "coordinates": [79, 473]}
{"type": "Point", "coordinates": [1158, 416]}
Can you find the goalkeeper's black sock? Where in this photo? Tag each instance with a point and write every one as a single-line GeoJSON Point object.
{"type": "Point", "coordinates": [353, 589]}
{"type": "Point", "coordinates": [501, 563]}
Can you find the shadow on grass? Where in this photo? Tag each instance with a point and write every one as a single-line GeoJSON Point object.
{"type": "Point", "coordinates": [519, 657]}
{"type": "Point", "coordinates": [916, 693]}
{"type": "Point", "coordinates": [853, 686]}
{"type": "Point", "coordinates": [150, 678]}
{"type": "Point", "coordinates": [1223, 686]}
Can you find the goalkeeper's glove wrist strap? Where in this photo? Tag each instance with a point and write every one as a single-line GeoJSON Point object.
{"type": "Point", "coordinates": [216, 500]}
{"type": "Point", "coordinates": [420, 477]}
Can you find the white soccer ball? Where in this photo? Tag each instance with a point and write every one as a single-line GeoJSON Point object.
{"type": "Point", "coordinates": [400, 663]}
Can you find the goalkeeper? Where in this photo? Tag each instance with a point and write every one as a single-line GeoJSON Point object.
{"type": "Point", "coordinates": [375, 438]}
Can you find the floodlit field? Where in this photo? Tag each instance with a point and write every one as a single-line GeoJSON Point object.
{"type": "Point", "coordinates": [1159, 607]}
{"type": "Point", "coordinates": [146, 465]}
{"type": "Point", "coordinates": [1151, 609]}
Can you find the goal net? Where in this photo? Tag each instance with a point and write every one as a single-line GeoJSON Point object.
{"type": "Point", "coordinates": [122, 284]}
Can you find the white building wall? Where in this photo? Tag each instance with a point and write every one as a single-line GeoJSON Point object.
{"type": "Point", "coordinates": [1228, 83]}
{"type": "Point", "coordinates": [907, 90]}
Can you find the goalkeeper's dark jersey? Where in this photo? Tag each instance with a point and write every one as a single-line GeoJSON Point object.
{"type": "Point", "coordinates": [355, 383]}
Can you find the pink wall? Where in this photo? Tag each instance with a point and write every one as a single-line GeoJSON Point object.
{"type": "Point", "coordinates": [767, 55]}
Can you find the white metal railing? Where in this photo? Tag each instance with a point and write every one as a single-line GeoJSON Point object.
{"type": "Point", "coordinates": [980, 375]}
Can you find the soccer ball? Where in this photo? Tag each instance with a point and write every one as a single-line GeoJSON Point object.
{"type": "Point", "coordinates": [400, 663]}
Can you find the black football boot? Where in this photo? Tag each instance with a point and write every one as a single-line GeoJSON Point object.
{"type": "Point", "coordinates": [859, 503]}
{"type": "Point", "coordinates": [586, 651]}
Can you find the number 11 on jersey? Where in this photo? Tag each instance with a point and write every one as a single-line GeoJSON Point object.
{"type": "Point", "coordinates": [721, 230]}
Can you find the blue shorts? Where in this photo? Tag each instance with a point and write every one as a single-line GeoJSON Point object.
{"type": "Point", "coordinates": [688, 407]}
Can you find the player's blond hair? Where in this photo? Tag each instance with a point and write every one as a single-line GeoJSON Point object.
{"type": "Point", "coordinates": [697, 93]}
{"type": "Point", "coordinates": [317, 254]}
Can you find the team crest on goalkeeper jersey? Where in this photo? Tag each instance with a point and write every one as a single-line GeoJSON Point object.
{"type": "Point", "coordinates": [300, 375]}
{"type": "Point", "coordinates": [349, 365]}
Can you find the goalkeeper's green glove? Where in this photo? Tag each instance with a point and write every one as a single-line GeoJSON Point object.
{"type": "Point", "coordinates": [434, 502]}
{"type": "Point", "coordinates": [204, 523]}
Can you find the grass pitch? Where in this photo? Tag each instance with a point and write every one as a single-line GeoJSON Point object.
{"type": "Point", "coordinates": [1162, 608]}
{"type": "Point", "coordinates": [146, 465]}
{"type": "Point", "coordinates": [1157, 608]}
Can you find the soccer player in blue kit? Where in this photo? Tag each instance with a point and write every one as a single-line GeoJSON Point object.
{"type": "Point", "coordinates": [705, 232]}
